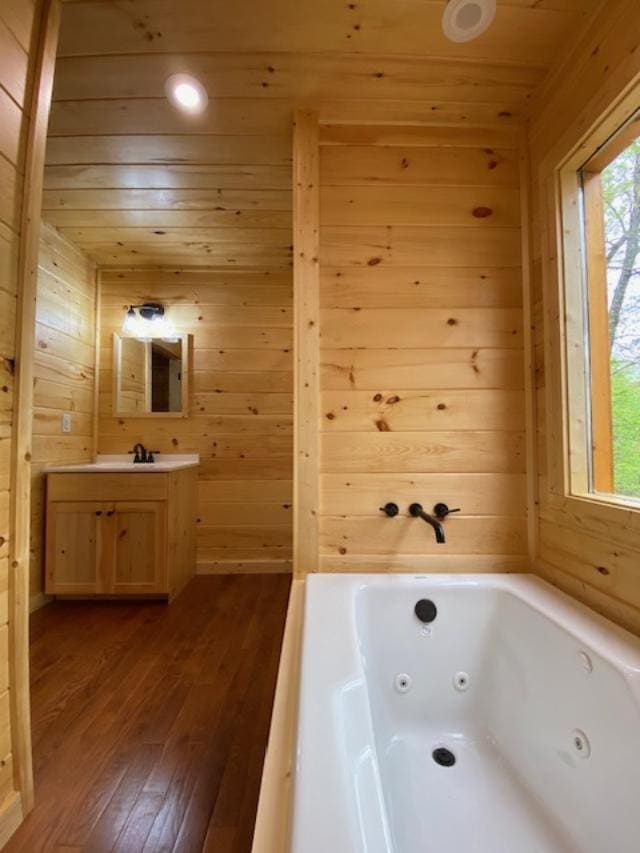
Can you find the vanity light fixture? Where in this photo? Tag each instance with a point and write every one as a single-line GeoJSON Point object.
{"type": "Point", "coordinates": [186, 93]}
{"type": "Point", "coordinates": [464, 20]}
{"type": "Point", "coordinates": [148, 321]}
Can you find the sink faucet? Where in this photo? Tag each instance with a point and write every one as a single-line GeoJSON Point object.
{"type": "Point", "coordinates": [417, 512]}
{"type": "Point", "coordinates": [141, 454]}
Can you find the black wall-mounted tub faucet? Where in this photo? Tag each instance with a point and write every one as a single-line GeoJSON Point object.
{"type": "Point", "coordinates": [417, 512]}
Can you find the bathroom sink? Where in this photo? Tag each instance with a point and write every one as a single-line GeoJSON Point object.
{"type": "Point", "coordinates": [123, 463]}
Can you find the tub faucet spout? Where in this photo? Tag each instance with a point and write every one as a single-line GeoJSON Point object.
{"type": "Point", "coordinates": [417, 512]}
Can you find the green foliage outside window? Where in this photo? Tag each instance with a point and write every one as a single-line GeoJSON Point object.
{"type": "Point", "coordinates": [621, 188]}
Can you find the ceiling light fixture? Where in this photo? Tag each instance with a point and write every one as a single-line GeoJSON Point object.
{"type": "Point", "coordinates": [464, 20]}
{"type": "Point", "coordinates": [186, 93]}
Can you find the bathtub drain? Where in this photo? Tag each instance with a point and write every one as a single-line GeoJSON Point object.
{"type": "Point", "coordinates": [443, 756]}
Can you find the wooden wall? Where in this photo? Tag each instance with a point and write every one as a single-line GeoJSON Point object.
{"type": "Point", "coordinates": [241, 407]}
{"type": "Point", "coordinates": [65, 354]}
{"type": "Point", "coordinates": [421, 348]}
{"type": "Point", "coordinates": [17, 44]}
{"type": "Point", "coordinates": [591, 551]}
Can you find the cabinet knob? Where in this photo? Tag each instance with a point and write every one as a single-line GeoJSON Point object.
{"type": "Point", "coordinates": [98, 512]}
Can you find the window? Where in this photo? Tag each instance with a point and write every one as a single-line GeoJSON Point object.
{"type": "Point", "coordinates": [610, 330]}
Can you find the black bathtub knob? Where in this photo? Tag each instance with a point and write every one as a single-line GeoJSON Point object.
{"type": "Point", "coordinates": [390, 509]}
{"type": "Point", "coordinates": [425, 610]}
{"type": "Point", "coordinates": [441, 511]}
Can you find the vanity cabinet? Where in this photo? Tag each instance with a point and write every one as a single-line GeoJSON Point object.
{"type": "Point", "coordinates": [120, 534]}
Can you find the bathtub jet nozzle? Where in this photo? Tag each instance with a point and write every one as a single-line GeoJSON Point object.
{"type": "Point", "coordinates": [417, 512]}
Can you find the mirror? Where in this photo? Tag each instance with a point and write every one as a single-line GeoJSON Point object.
{"type": "Point", "coordinates": [150, 376]}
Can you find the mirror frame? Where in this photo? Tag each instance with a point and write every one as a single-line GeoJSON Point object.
{"type": "Point", "coordinates": [186, 341]}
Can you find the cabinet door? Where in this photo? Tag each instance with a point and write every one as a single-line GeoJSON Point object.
{"type": "Point", "coordinates": [139, 564]}
{"type": "Point", "coordinates": [79, 555]}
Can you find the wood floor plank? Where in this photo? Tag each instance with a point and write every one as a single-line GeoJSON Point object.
{"type": "Point", "coordinates": [138, 826]}
{"type": "Point", "coordinates": [166, 826]}
{"type": "Point", "coordinates": [150, 721]}
{"type": "Point", "coordinates": [114, 816]}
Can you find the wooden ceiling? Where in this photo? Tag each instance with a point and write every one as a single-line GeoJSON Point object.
{"type": "Point", "coordinates": [133, 181]}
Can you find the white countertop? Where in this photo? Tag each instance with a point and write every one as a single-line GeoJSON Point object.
{"type": "Point", "coordinates": [123, 463]}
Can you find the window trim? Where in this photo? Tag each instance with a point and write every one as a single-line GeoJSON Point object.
{"type": "Point", "coordinates": [597, 332]}
{"type": "Point", "coordinates": [570, 346]}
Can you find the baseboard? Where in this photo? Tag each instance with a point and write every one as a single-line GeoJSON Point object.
{"type": "Point", "coordinates": [38, 601]}
{"type": "Point", "coordinates": [244, 567]}
{"type": "Point", "coordinates": [11, 816]}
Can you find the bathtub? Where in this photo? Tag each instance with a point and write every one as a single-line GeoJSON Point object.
{"type": "Point", "coordinates": [510, 723]}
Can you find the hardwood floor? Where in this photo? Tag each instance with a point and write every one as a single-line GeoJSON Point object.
{"type": "Point", "coordinates": [150, 721]}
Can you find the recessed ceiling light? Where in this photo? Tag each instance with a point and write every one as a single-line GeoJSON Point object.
{"type": "Point", "coordinates": [464, 20]}
{"type": "Point", "coordinates": [186, 93]}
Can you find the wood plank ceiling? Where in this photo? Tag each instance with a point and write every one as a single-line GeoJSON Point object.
{"type": "Point", "coordinates": [133, 181]}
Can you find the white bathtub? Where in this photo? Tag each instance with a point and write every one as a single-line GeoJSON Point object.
{"type": "Point", "coordinates": [536, 698]}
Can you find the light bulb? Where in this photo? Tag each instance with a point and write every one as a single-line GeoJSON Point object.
{"type": "Point", "coordinates": [186, 93]}
{"type": "Point", "coordinates": [130, 323]}
{"type": "Point", "coordinates": [162, 327]}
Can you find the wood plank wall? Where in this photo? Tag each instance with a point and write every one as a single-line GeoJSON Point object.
{"type": "Point", "coordinates": [421, 348]}
{"type": "Point", "coordinates": [241, 408]}
{"type": "Point", "coordinates": [64, 374]}
{"type": "Point", "coordinates": [17, 37]}
{"type": "Point", "coordinates": [594, 553]}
